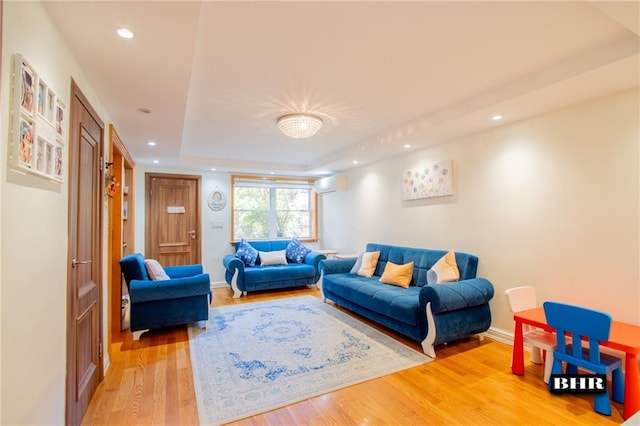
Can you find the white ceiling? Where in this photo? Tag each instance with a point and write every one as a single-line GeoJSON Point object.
{"type": "Point", "coordinates": [217, 75]}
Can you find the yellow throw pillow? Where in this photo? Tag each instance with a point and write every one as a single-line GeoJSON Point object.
{"type": "Point", "coordinates": [444, 271]}
{"type": "Point", "coordinates": [399, 275]}
{"type": "Point", "coordinates": [369, 262]}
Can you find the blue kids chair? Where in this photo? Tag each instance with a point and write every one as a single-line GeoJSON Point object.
{"type": "Point", "coordinates": [593, 327]}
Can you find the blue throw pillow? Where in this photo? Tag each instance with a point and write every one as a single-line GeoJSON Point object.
{"type": "Point", "coordinates": [296, 251]}
{"type": "Point", "coordinates": [246, 253]}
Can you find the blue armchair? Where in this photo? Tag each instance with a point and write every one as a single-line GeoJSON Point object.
{"type": "Point", "coordinates": [182, 299]}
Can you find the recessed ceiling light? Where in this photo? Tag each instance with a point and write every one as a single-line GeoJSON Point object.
{"type": "Point", "coordinates": [272, 173]}
{"type": "Point", "coordinates": [151, 143]}
{"type": "Point", "coordinates": [125, 33]}
{"type": "Point", "coordinates": [213, 169]}
{"type": "Point", "coordinates": [156, 161]}
{"type": "Point", "coordinates": [355, 161]}
{"type": "Point", "coordinates": [406, 145]}
{"type": "Point", "coordinates": [496, 117]}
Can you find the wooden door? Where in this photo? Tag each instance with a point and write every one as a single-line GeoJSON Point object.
{"type": "Point", "coordinates": [84, 301]}
{"type": "Point", "coordinates": [172, 225]}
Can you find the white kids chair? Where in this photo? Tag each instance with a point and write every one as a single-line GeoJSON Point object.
{"type": "Point", "coordinates": [521, 299]}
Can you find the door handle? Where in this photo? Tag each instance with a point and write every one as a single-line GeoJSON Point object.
{"type": "Point", "coordinates": [75, 262]}
{"type": "Point", "coordinates": [192, 233]}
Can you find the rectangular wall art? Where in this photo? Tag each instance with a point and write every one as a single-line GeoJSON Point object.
{"type": "Point", "coordinates": [37, 124]}
{"type": "Point", "coordinates": [435, 180]}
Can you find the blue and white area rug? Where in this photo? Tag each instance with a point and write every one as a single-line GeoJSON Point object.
{"type": "Point", "coordinates": [256, 357]}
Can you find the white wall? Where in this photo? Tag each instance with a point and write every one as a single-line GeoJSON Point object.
{"type": "Point", "coordinates": [34, 238]}
{"type": "Point", "coordinates": [214, 240]}
{"type": "Point", "coordinates": [551, 202]}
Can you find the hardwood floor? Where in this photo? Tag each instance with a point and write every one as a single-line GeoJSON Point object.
{"type": "Point", "coordinates": [470, 383]}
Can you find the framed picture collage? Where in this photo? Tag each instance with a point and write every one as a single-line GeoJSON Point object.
{"type": "Point", "coordinates": [37, 124]}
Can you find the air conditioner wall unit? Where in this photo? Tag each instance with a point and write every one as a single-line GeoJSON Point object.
{"type": "Point", "coordinates": [330, 184]}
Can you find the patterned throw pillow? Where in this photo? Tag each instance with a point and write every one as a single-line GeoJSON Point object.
{"type": "Point", "coordinates": [155, 270]}
{"type": "Point", "coordinates": [246, 253]}
{"type": "Point", "coordinates": [296, 251]}
{"type": "Point", "coordinates": [444, 271]}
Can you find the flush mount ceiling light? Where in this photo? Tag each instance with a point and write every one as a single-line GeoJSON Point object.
{"type": "Point", "coordinates": [125, 33]}
{"type": "Point", "coordinates": [299, 125]}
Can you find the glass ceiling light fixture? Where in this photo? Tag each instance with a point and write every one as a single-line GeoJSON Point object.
{"type": "Point", "coordinates": [299, 125]}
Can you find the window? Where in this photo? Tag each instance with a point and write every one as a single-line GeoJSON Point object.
{"type": "Point", "coordinates": [271, 208]}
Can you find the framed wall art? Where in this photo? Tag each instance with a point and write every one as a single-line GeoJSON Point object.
{"type": "Point", "coordinates": [37, 118]}
{"type": "Point", "coordinates": [435, 180]}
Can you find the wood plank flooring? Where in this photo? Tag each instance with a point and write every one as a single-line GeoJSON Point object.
{"type": "Point", "coordinates": [150, 382]}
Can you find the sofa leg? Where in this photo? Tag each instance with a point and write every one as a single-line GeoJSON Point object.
{"type": "Point", "coordinates": [138, 333]}
{"type": "Point", "coordinates": [480, 337]}
{"type": "Point", "coordinates": [205, 324]}
{"type": "Point", "coordinates": [427, 343]}
{"type": "Point", "coordinates": [234, 285]}
{"type": "Point", "coordinates": [319, 286]}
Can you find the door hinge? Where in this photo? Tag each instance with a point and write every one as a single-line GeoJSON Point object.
{"type": "Point", "coordinates": [99, 350]}
{"type": "Point", "coordinates": [101, 163]}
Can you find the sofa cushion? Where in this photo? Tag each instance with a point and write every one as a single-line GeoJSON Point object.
{"type": "Point", "coordinates": [292, 271]}
{"type": "Point", "coordinates": [401, 304]}
{"type": "Point", "coordinates": [246, 253]}
{"type": "Point", "coordinates": [155, 270]}
{"type": "Point", "coordinates": [399, 275]}
{"type": "Point", "coordinates": [444, 271]}
{"type": "Point", "coordinates": [277, 257]}
{"type": "Point", "coordinates": [369, 263]}
{"type": "Point", "coordinates": [296, 251]}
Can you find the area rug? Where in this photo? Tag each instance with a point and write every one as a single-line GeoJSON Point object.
{"type": "Point", "coordinates": [256, 357]}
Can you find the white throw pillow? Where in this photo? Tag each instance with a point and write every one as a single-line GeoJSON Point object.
{"type": "Point", "coordinates": [155, 270]}
{"type": "Point", "coordinates": [277, 257]}
{"type": "Point", "coordinates": [369, 263]}
{"type": "Point", "coordinates": [445, 270]}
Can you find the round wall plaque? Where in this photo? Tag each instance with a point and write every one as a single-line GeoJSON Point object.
{"type": "Point", "coordinates": [216, 200]}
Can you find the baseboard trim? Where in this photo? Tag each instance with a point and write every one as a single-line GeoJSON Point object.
{"type": "Point", "coordinates": [500, 335]}
{"type": "Point", "coordinates": [219, 284]}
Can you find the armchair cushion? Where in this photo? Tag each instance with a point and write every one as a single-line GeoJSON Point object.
{"type": "Point", "coordinates": [155, 270]}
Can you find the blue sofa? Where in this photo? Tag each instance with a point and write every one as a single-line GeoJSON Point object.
{"type": "Point", "coordinates": [244, 278]}
{"type": "Point", "coordinates": [429, 314]}
{"type": "Point", "coordinates": [182, 299]}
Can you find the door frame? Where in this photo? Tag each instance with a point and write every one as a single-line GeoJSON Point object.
{"type": "Point", "coordinates": [147, 202]}
{"type": "Point", "coordinates": [71, 416]}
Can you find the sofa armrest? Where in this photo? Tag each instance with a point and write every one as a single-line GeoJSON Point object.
{"type": "Point", "coordinates": [183, 270]}
{"type": "Point", "coordinates": [148, 290]}
{"type": "Point", "coordinates": [337, 266]}
{"type": "Point", "coordinates": [231, 263]}
{"type": "Point", "coordinates": [458, 295]}
{"type": "Point", "coordinates": [313, 258]}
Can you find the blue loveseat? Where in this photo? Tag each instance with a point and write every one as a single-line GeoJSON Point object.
{"type": "Point", "coordinates": [429, 314]}
{"type": "Point", "coordinates": [243, 278]}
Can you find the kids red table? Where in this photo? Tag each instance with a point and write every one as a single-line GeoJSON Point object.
{"type": "Point", "coordinates": [624, 337]}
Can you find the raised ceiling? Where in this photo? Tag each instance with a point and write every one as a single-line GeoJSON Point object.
{"type": "Point", "coordinates": [217, 75]}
